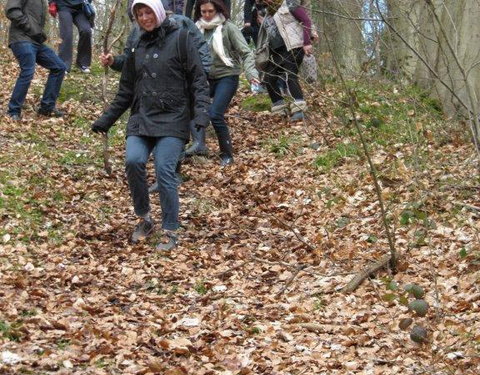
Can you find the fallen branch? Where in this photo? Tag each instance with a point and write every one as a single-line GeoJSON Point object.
{"type": "Point", "coordinates": [106, 155]}
{"type": "Point", "coordinates": [299, 237]}
{"type": "Point", "coordinates": [106, 48]}
{"type": "Point", "coordinates": [470, 207]}
{"type": "Point", "coordinates": [361, 276]}
{"type": "Point", "coordinates": [290, 280]}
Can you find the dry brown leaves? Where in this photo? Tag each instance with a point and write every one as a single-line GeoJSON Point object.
{"type": "Point", "coordinates": [253, 286]}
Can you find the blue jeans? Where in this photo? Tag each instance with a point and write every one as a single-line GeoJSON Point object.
{"type": "Point", "coordinates": [28, 54]}
{"type": "Point", "coordinates": [222, 91]}
{"type": "Point", "coordinates": [166, 151]}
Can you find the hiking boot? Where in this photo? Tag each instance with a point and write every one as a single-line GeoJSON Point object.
{"type": "Point", "coordinates": [55, 112]}
{"type": "Point", "coordinates": [279, 108]}
{"type": "Point", "coordinates": [225, 160]}
{"type": "Point", "coordinates": [198, 146]}
{"type": "Point", "coordinates": [142, 230]}
{"type": "Point", "coordinates": [14, 117]}
{"type": "Point", "coordinates": [297, 116]}
{"type": "Point", "coordinates": [168, 241]}
{"type": "Point", "coordinates": [226, 149]}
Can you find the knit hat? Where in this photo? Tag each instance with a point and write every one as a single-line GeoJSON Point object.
{"type": "Point", "coordinates": [155, 5]}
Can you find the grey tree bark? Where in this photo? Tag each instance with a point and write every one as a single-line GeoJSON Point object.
{"type": "Point", "coordinates": [340, 23]}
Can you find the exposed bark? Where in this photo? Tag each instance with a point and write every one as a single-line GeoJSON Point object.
{"type": "Point", "coordinates": [339, 23]}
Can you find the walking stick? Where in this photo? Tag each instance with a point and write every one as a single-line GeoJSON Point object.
{"type": "Point", "coordinates": [106, 49]}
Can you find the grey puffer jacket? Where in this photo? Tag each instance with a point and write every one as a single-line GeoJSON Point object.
{"type": "Point", "coordinates": [161, 87]}
{"type": "Point", "coordinates": [28, 20]}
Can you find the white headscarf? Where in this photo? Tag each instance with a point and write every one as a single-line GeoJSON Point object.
{"type": "Point", "coordinates": [155, 5]}
{"type": "Point", "coordinates": [217, 40]}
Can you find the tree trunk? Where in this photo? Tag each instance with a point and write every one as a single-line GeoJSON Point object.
{"type": "Point", "coordinates": [340, 25]}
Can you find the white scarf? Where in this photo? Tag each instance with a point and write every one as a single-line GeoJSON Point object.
{"type": "Point", "coordinates": [217, 39]}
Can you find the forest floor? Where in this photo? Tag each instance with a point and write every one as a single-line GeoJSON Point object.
{"type": "Point", "coordinates": [266, 244]}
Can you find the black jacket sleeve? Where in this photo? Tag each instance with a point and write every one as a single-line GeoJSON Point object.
{"type": "Point", "coordinates": [125, 95]}
{"type": "Point", "coordinates": [14, 12]}
{"type": "Point", "coordinates": [198, 84]}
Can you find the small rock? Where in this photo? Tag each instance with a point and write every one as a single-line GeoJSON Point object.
{"type": "Point", "coordinates": [29, 267]}
{"type": "Point", "coordinates": [418, 334]}
{"type": "Point", "coordinates": [419, 306]}
{"type": "Point", "coordinates": [10, 358]}
{"type": "Point", "coordinates": [405, 323]}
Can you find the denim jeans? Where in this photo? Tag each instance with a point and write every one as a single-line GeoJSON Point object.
{"type": "Point", "coordinates": [28, 54]}
{"type": "Point", "coordinates": [166, 151]}
{"type": "Point", "coordinates": [222, 91]}
{"type": "Point", "coordinates": [67, 17]}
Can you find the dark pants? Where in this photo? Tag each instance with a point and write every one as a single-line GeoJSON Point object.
{"type": "Point", "coordinates": [67, 18]}
{"type": "Point", "coordinates": [166, 151]}
{"type": "Point", "coordinates": [28, 54]}
{"type": "Point", "coordinates": [222, 91]}
{"type": "Point", "coordinates": [284, 63]}
{"type": "Point", "coordinates": [251, 33]}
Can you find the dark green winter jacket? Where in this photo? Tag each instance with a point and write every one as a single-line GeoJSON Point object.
{"type": "Point", "coordinates": [28, 20]}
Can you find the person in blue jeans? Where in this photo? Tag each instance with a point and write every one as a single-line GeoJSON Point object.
{"type": "Point", "coordinates": [229, 51]}
{"type": "Point", "coordinates": [164, 85]}
{"type": "Point", "coordinates": [26, 40]}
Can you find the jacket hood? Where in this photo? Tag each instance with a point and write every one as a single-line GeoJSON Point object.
{"type": "Point", "coordinates": [155, 5]}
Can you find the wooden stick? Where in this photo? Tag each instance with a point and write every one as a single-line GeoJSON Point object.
{"type": "Point", "coordinates": [359, 277]}
{"type": "Point", "coordinates": [468, 206]}
{"type": "Point", "coordinates": [106, 153]}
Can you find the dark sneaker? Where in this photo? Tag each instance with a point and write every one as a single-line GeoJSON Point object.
{"type": "Point", "coordinates": [225, 160]}
{"type": "Point", "coordinates": [14, 117]}
{"type": "Point", "coordinates": [168, 241]}
{"type": "Point", "coordinates": [85, 69]}
{"type": "Point", "coordinates": [297, 116]}
{"type": "Point", "coordinates": [142, 230]}
{"type": "Point", "coordinates": [55, 112]}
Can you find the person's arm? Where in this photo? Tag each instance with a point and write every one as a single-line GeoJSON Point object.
{"type": "Point", "coordinates": [123, 100]}
{"type": "Point", "coordinates": [198, 84]}
{"type": "Point", "coordinates": [189, 8]}
{"type": "Point", "coordinates": [241, 47]}
{"type": "Point", "coordinates": [302, 17]}
{"type": "Point", "coordinates": [200, 42]}
{"type": "Point", "coordinates": [14, 12]}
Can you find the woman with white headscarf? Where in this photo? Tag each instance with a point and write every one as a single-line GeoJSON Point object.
{"type": "Point", "coordinates": [164, 85]}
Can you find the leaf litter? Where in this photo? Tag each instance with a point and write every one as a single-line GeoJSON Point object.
{"type": "Point", "coordinates": [266, 245]}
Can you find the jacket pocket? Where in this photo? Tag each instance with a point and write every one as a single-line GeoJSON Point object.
{"type": "Point", "coordinates": [155, 103]}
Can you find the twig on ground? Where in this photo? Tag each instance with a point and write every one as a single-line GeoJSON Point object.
{"type": "Point", "coordinates": [299, 237]}
{"type": "Point", "coordinates": [369, 271]}
{"type": "Point", "coordinates": [290, 280]}
{"type": "Point", "coordinates": [470, 207]}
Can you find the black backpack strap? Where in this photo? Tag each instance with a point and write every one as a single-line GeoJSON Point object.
{"type": "Point", "coordinates": [182, 46]}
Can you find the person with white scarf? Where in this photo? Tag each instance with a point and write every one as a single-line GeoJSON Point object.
{"type": "Point", "coordinates": [229, 51]}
